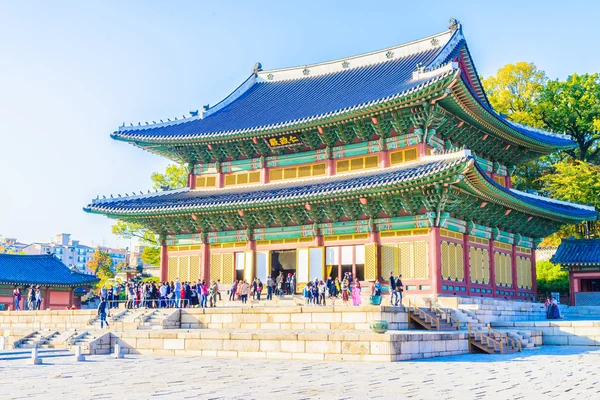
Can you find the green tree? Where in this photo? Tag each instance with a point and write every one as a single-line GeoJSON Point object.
{"type": "Point", "coordinates": [101, 264]}
{"type": "Point", "coordinates": [515, 91]}
{"type": "Point", "coordinates": [5, 249]}
{"type": "Point", "coordinates": [573, 107]}
{"type": "Point", "coordinates": [174, 177]}
{"type": "Point", "coordinates": [550, 278]}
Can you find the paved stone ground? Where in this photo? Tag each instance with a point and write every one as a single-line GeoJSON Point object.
{"type": "Point", "coordinates": [551, 372]}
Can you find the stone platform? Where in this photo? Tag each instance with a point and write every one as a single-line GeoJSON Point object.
{"type": "Point", "coordinates": [291, 344]}
{"type": "Point", "coordinates": [561, 333]}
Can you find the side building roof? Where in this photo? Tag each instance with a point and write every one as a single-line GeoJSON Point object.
{"type": "Point", "coordinates": [44, 270]}
{"type": "Point", "coordinates": [578, 252]}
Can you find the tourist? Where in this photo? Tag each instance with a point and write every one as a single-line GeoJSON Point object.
{"type": "Point", "coordinates": [219, 289]}
{"type": "Point", "coordinates": [212, 294]}
{"type": "Point", "coordinates": [328, 284]}
{"type": "Point", "coordinates": [334, 291]}
{"type": "Point", "coordinates": [314, 292]}
{"type": "Point", "coordinates": [102, 308]}
{"type": "Point", "coordinates": [269, 288]}
{"type": "Point", "coordinates": [344, 290]}
{"type": "Point", "coordinates": [245, 291]}
{"type": "Point", "coordinates": [399, 290]}
{"type": "Point", "coordinates": [288, 281]}
{"type": "Point", "coordinates": [356, 294]}
{"type": "Point", "coordinates": [238, 291]}
{"type": "Point", "coordinates": [259, 288]}
{"type": "Point", "coordinates": [163, 295]}
{"type": "Point", "coordinates": [204, 301]}
{"type": "Point", "coordinates": [233, 290]}
{"type": "Point", "coordinates": [254, 287]}
{"type": "Point", "coordinates": [322, 292]}
{"type": "Point", "coordinates": [393, 294]}
{"type": "Point", "coordinates": [306, 292]}
{"type": "Point", "coordinates": [17, 299]}
{"type": "Point", "coordinates": [38, 298]}
{"type": "Point", "coordinates": [31, 298]}
{"type": "Point", "coordinates": [177, 292]}
{"type": "Point", "coordinates": [279, 282]}
{"type": "Point", "coordinates": [555, 311]}
{"type": "Point", "coordinates": [377, 289]}
{"type": "Point", "coordinates": [293, 284]}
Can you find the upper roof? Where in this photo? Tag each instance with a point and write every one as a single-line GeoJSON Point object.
{"type": "Point", "coordinates": [281, 98]}
{"type": "Point", "coordinates": [44, 270]}
{"type": "Point", "coordinates": [578, 252]}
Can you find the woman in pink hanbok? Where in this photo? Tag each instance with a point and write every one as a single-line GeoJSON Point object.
{"type": "Point", "coordinates": [356, 294]}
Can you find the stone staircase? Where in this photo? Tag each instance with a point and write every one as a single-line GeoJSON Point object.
{"type": "Point", "coordinates": [491, 342]}
{"type": "Point", "coordinates": [82, 339]}
{"type": "Point", "coordinates": [432, 319]}
{"type": "Point", "coordinates": [160, 318]}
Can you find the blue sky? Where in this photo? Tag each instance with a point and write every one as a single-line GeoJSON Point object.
{"type": "Point", "coordinates": [71, 72]}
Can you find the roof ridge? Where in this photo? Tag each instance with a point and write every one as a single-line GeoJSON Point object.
{"type": "Point", "coordinates": [360, 60]}
{"type": "Point", "coordinates": [551, 200]}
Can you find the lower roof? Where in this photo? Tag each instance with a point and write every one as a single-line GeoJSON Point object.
{"type": "Point", "coordinates": [578, 252]}
{"type": "Point", "coordinates": [361, 183]}
{"type": "Point", "coordinates": [45, 270]}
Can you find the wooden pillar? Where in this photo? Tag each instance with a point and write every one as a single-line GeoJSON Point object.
{"type": "Point", "coordinates": [251, 247]}
{"type": "Point", "coordinates": [572, 286]}
{"type": "Point", "coordinates": [46, 299]}
{"type": "Point", "coordinates": [384, 159]}
{"type": "Point", "coordinates": [534, 274]}
{"type": "Point", "coordinates": [513, 267]}
{"type": "Point", "coordinates": [422, 149]}
{"type": "Point", "coordinates": [508, 182]}
{"type": "Point", "coordinates": [435, 260]}
{"type": "Point", "coordinates": [265, 175]}
{"type": "Point", "coordinates": [192, 178]}
{"type": "Point", "coordinates": [374, 238]}
{"type": "Point", "coordinates": [205, 259]}
{"type": "Point", "coordinates": [330, 166]}
{"type": "Point", "coordinates": [72, 297]}
{"type": "Point", "coordinates": [492, 268]}
{"type": "Point", "coordinates": [164, 261]}
{"type": "Point", "coordinates": [467, 263]}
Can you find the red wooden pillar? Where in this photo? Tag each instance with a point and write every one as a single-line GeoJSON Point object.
{"type": "Point", "coordinates": [205, 258]}
{"type": "Point", "coordinates": [46, 299]}
{"type": "Point", "coordinates": [330, 166]}
{"type": "Point", "coordinates": [384, 159]}
{"type": "Point", "coordinates": [264, 175]}
{"type": "Point", "coordinates": [374, 238]}
{"type": "Point", "coordinates": [422, 149]}
{"type": "Point", "coordinates": [435, 260]}
{"type": "Point", "coordinates": [492, 268]}
{"type": "Point", "coordinates": [513, 267]}
{"type": "Point", "coordinates": [251, 246]}
{"type": "Point", "coordinates": [192, 178]}
{"type": "Point", "coordinates": [467, 263]}
{"type": "Point", "coordinates": [534, 274]}
{"type": "Point", "coordinates": [164, 261]}
{"type": "Point", "coordinates": [72, 297]}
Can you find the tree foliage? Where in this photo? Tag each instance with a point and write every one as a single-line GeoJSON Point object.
{"type": "Point", "coordinates": [515, 91]}
{"type": "Point", "coordinates": [550, 278]}
{"type": "Point", "coordinates": [174, 177]}
{"type": "Point", "coordinates": [4, 249]}
{"type": "Point", "coordinates": [101, 264]}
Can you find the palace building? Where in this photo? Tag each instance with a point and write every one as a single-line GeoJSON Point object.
{"type": "Point", "coordinates": [392, 161]}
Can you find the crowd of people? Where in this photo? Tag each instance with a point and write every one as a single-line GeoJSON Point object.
{"type": "Point", "coordinates": [33, 301]}
{"type": "Point", "coordinates": [552, 310]}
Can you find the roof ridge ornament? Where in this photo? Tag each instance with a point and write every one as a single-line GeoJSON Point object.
{"type": "Point", "coordinates": [257, 68]}
{"type": "Point", "coordinates": [454, 24]}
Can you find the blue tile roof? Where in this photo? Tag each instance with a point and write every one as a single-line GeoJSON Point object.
{"type": "Point", "coordinates": [263, 102]}
{"type": "Point", "coordinates": [39, 270]}
{"type": "Point", "coordinates": [317, 188]}
{"type": "Point", "coordinates": [578, 252]}
{"type": "Point", "coordinates": [272, 103]}
{"type": "Point", "coordinates": [274, 192]}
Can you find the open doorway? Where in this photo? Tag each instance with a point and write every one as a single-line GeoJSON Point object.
{"type": "Point", "coordinates": [284, 261]}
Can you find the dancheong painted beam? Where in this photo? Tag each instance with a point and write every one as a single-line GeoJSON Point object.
{"type": "Point", "coordinates": [387, 162]}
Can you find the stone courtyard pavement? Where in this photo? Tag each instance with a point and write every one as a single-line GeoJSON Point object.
{"type": "Point", "coordinates": [551, 372]}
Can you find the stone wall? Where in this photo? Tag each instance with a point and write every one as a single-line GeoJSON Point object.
{"type": "Point", "coordinates": [491, 310]}
{"type": "Point", "coordinates": [58, 319]}
{"type": "Point", "coordinates": [561, 333]}
{"type": "Point", "coordinates": [290, 345]}
{"type": "Point", "coordinates": [286, 318]}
